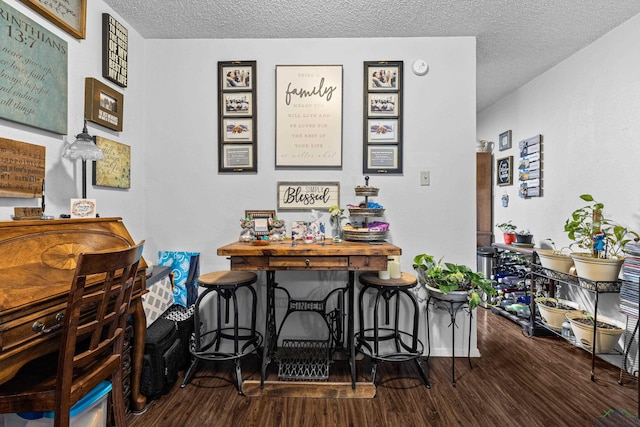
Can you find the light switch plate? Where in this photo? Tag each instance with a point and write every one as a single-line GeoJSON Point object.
{"type": "Point", "coordinates": [425, 178]}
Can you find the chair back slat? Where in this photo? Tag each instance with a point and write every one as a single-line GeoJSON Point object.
{"type": "Point", "coordinates": [95, 319]}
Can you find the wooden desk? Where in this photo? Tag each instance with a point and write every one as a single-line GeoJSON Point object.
{"type": "Point", "coordinates": [38, 263]}
{"type": "Point", "coordinates": [300, 256]}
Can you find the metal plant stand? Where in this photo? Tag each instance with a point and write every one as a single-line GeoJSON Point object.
{"type": "Point", "coordinates": [453, 306]}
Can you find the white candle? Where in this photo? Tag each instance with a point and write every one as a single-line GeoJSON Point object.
{"type": "Point", "coordinates": [384, 274]}
{"type": "Point", "coordinates": [394, 269]}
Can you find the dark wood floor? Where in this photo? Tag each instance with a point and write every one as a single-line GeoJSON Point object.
{"type": "Point", "coordinates": [519, 380]}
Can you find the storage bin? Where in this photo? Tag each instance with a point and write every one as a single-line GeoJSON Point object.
{"type": "Point", "coordinates": [90, 411]}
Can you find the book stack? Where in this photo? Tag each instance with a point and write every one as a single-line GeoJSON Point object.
{"type": "Point", "coordinates": [629, 294]}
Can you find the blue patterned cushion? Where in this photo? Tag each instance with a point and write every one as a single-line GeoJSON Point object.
{"type": "Point", "coordinates": [185, 267]}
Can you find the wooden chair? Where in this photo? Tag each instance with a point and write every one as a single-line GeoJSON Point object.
{"type": "Point", "coordinates": [91, 345]}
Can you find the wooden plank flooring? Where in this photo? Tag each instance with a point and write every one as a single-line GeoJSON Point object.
{"type": "Point", "coordinates": [519, 380]}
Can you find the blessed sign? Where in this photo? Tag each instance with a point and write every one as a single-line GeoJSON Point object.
{"type": "Point", "coordinates": [308, 195]}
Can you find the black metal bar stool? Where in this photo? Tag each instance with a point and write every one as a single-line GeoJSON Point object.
{"type": "Point", "coordinates": [387, 342]}
{"type": "Point", "coordinates": [228, 340]}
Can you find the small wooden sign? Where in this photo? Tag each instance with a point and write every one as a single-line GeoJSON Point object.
{"type": "Point", "coordinates": [27, 213]}
{"type": "Point", "coordinates": [22, 168]}
{"type": "Point", "coordinates": [308, 195]}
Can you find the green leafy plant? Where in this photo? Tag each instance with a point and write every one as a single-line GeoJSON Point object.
{"type": "Point", "coordinates": [590, 230]}
{"type": "Point", "coordinates": [507, 227]}
{"type": "Point", "coordinates": [450, 277]}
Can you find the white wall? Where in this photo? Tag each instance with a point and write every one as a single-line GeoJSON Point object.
{"type": "Point", "coordinates": [192, 206]}
{"type": "Point", "coordinates": [587, 110]}
{"type": "Point", "coordinates": [63, 177]}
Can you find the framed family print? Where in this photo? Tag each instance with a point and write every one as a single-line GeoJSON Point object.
{"type": "Point", "coordinates": [505, 140]}
{"type": "Point", "coordinates": [237, 118]}
{"type": "Point", "coordinates": [382, 145]}
{"type": "Point", "coordinates": [102, 104]}
{"type": "Point", "coordinates": [309, 116]}
{"type": "Point", "coordinates": [70, 15]}
{"type": "Point", "coordinates": [504, 171]}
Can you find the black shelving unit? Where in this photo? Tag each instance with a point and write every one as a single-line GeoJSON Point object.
{"type": "Point", "coordinates": [555, 278]}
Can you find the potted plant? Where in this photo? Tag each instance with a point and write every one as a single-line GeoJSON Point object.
{"type": "Point", "coordinates": [553, 311]}
{"type": "Point", "coordinates": [508, 231]}
{"type": "Point", "coordinates": [608, 331]}
{"type": "Point", "coordinates": [452, 282]}
{"type": "Point", "coordinates": [601, 240]}
{"type": "Point", "coordinates": [524, 237]}
{"type": "Point", "coordinates": [554, 259]}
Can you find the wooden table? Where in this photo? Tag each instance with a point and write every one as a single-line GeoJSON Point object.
{"type": "Point", "coordinates": [300, 256]}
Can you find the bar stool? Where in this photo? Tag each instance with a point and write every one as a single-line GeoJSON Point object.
{"type": "Point", "coordinates": [387, 342]}
{"type": "Point", "coordinates": [228, 340]}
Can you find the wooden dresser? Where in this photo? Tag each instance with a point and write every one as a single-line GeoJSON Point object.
{"type": "Point", "coordinates": [37, 262]}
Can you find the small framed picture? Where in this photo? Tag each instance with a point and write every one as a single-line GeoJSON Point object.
{"type": "Point", "coordinates": [237, 157]}
{"type": "Point", "coordinates": [382, 131]}
{"type": "Point", "coordinates": [381, 77]}
{"type": "Point", "coordinates": [237, 104]}
{"type": "Point", "coordinates": [238, 130]}
{"type": "Point", "coordinates": [260, 220]}
{"type": "Point", "coordinates": [504, 171]}
{"type": "Point", "coordinates": [505, 140]}
{"type": "Point", "coordinates": [83, 208]}
{"type": "Point", "coordinates": [102, 104]}
{"type": "Point", "coordinates": [383, 104]}
{"type": "Point", "coordinates": [237, 76]}
{"type": "Point", "coordinates": [382, 158]}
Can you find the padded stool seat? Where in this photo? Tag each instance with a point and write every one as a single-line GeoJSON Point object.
{"type": "Point", "coordinates": [387, 342]}
{"type": "Point", "coordinates": [228, 340]}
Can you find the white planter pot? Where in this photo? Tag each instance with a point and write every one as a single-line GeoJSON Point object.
{"type": "Point", "coordinates": [596, 269]}
{"type": "Point", "coordinates": [606, 339]}
{"type": "Point", "coordinates": [453, 296]}
{"type": "Point", "coordinates": [553, 317]}
{"type": "Point", "coordinates": [555, 261]}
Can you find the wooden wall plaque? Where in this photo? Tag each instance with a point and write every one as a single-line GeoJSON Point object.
{"type": "Point", "coordinates": [22, 168]}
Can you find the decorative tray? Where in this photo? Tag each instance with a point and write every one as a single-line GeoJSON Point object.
{"type": "Point", "coordinates": [366, 211]}
{"type": "Point", "coordinates": [366, 191]}
{"type": "Point", "coordinates": [363, 235]}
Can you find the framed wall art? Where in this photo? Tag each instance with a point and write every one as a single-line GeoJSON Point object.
{"type": "Point", "coordinates": [70, 15]}
{"type": "Point", "coordinates": [308, 195]}
{"type": "Point", "coordinates": [33, 91]}
{"type": "Point", "coordinates": [102, 104]}
{"type": "Point", "coordinates": [238, 116]}
{"type": "Point", "coordinates": [115, 46]}
{"type": "Point", "coordinates": [309, 116]}
{"type": "Point", "coordinates": [530, 167]}
{"type": "Point", "coordinates": [382, 120]}
{"type": "Point", "coordinates": [504, 171]}
{"type": "Point", "coordinates": [505, 140]}
{"type": "Point", "coordinates": [114, 170]}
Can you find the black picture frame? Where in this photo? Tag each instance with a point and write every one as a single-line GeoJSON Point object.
{"type": "Point", "coordinates": [504, 171]}
{"type": "Point", "coordinates": [238, 117]}
{"type": "Point", "coordinates": [382, 121]}
{"type": "Point", "coordinates": [115, 48]}
{"type": "Point", "coordinates": [504, 140]}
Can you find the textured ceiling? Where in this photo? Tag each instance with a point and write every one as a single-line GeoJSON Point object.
{"type": "Point", "coordinates": [516, 39]}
